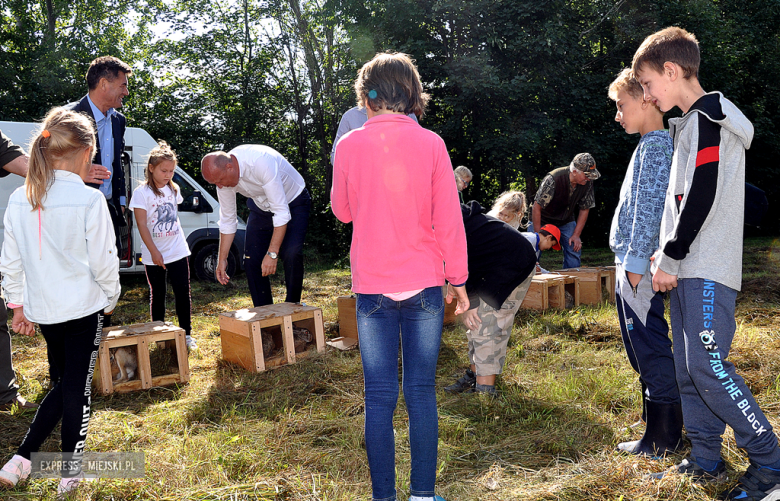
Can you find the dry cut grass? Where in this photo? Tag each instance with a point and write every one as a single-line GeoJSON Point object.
{"type": "Point", "coordinates": [567, 397]}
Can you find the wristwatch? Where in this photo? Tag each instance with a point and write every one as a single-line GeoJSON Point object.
{"type": "Point", "coordinates": [273, 255]}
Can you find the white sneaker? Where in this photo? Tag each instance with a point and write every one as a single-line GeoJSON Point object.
{"type": "Point", "coordinates": [191, 344]}
{"type": "Point", "coordinates": [16, 470]}
{"type": "Point", "coordinates": [69, 484]}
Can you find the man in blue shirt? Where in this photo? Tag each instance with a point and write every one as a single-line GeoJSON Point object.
{"type": "Point", "coordinates": [107, 82]}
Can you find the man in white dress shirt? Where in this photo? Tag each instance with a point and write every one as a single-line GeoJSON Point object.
{"type": "Point", "coordinates": [279, 207]}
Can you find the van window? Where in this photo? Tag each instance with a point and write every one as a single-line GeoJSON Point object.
{"type": "Point", "coordinates": [187, 192]}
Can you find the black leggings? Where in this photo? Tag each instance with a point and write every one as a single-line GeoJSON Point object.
{"type": "Point", "coordinates": [179, 272]}
{"type": "Point", "coordinates": [73, 349]}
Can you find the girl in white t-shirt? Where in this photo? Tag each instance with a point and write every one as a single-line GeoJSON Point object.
{"type": "Point", "coordinates": [164, 250]}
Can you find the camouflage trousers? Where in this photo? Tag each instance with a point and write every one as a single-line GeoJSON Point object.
{"type": "Point", "coordinates": [487, 345]}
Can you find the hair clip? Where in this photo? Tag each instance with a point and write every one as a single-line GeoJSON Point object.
{"type": "Point", "coordinates": [45, 133]}
{"type": "Point", "coordinates": [372, 94]}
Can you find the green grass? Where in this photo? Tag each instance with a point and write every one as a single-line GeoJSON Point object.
{"type": "Point", "coordinates": [567, 396]}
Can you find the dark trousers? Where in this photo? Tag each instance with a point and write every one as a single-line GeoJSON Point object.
{"type": "Point", "coordinates": [8, 385]}
{"type": "Point", "coordinates": [72, 348]}
{"type": "Point", "coordinates": [259, 229]}
{"type": "Point", "coordinates": [179, 273]}
{"type": "Point", "coordinates": [713, 394]}
{"type": "Point", "coordinates": [646, 337]}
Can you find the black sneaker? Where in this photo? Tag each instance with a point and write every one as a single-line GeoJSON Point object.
{"type": "Point", "coordinates": [757, 484]}
{"type": "Point", "coordinates": [690, 467]}
{"type": "Point", "coordinates": [465, 383]}
{"type": "Point", "coordinates": [484, 389]}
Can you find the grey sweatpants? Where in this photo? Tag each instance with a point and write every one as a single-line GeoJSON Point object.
{"type": "Point", "coordinates": [712, 394]}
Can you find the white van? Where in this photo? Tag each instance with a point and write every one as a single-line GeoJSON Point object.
{"type": "Point", "coordinates": [198, 214]}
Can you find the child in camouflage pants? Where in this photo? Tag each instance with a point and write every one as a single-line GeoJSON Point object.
{"type": "Point", "coordinates": [502, 263]}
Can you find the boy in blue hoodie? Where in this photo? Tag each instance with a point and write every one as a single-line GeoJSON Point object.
{"type": "Point", "coordinates": [634, 238]}
{"type": "Point", "coordinates": [700, 263]}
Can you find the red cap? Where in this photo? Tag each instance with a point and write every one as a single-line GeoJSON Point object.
{"type": "Point", "coordinates": [554, 231]}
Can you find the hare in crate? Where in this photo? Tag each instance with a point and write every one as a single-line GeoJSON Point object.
{"type": "Point", "coordinates": [124, 364]}
{"type": "Point", "coordinates": [301, 337]}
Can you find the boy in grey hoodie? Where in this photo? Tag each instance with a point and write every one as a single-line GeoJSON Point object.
{"type": "Point", "coordinates": [700, 263]}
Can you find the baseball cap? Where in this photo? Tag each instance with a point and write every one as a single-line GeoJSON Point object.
{"type": "Point", "coordinates": [554, 231]}
{"type": "Point", "coordinates": [585, 163]}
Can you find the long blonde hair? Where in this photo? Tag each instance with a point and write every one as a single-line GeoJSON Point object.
{"type": "Point", "coordinates": [512, 201]}
{"type": "Point", "coordinates": [64, 135]}
{"type": "Point", "coordinates": [161, 153]}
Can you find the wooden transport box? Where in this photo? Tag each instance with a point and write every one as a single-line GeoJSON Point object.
{"type": "Point", "coordinates": [546, 291]}
{"type": "Point", "coordinates": [140, 338]}
{"type": "Point", "coordinates": [571, 284]}
{"type": "Point", "coordinates": [242, 334]}
{"type": "Point", "coordinates": [347, 317]}
{"type": "Point", "coordinates": [608, 279]}
{"type": "Point", "coordinates": [590, 283]}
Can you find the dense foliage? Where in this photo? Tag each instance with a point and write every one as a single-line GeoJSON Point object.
{"type": "Point", "coordinates": [518, 87]}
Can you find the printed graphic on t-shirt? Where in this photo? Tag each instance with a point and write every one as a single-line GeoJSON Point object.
{"type": "Point", "coordinates": [163, 217]}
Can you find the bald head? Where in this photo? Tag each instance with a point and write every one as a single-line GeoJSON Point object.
{"type": "Point", "coordinates": [220, 168]}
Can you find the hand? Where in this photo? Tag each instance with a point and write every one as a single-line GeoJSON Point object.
{"type": "Point", "coordinates": [463, 298]}
{"type": "Point", "coordinates": [97, 173]}
{"type": "Point", "coordinates": [471, 319]}
{"type": "Point", "coordinates": [123, 210]}
{"type": "Point", "coordinates": [20, 324]}
{"type": "Point", "coordinates": [663, 281]}
{"type": "Point", "coordinates": [633, 278]}
{"type": "Point", "coordinates": [269, 265]}
{"type": "Point", "coordinates": [221, 272]}
{"type": "Point", "coordinates": [538, 268]}
{"type": "Point", "coordinates": [157, 258]}
{"type": "Point", "coordinates": [575, 243]}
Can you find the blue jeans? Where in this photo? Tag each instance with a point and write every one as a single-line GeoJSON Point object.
{"type": "Point", "coordinates": [418, 320]}
{"type": "Point", "coordinates": [571, 259]}
{"type": "Point", "coordinates": [259, 230]}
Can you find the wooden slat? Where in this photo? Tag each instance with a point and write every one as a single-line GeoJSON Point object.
{"type": "Point", "coordinates": [319, 331]}
{"type": "Point", "coordinates": [182, 358]}
{"type": "Point", "coordinates": [144, 366]}
{"type": "Point", "coordinates": [256, 347]}
{"type": "Point", "coordinates": [288, 341]}
{"type": "Point", "coordinates": [234, 325]}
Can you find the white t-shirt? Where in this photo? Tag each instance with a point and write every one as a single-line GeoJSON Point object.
{"type": "Point", "coordinates": [162, 219]}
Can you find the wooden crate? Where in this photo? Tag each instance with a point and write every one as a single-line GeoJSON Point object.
{"type": "Point", "coordinates": [545, 291]}
{"type": "Point", "coordinates": [590, 283]}
{"type": "Point", "coordinates": [347, 317]}
{"type": "Point", "coordinates": [242, 337]}
{"type": "Point", "coordinates": [141, 337]}
{"type": "Point", "coordinates": [608, 280]}
{"type": "Point", "coordinates": [571, 284]}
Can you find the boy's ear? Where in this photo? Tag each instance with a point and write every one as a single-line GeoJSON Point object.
{"type": "Point", "coordinates": [671, 70]}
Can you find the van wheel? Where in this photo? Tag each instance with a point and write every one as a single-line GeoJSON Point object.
{"type": "Point", "coordinates": [206, 263]}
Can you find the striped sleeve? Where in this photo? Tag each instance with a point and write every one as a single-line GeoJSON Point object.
{"type": "Point", "coordinates": [701, 194]}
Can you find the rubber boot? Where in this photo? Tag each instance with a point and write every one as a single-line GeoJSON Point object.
{"type": "Point", "coordinates": [663, 433]}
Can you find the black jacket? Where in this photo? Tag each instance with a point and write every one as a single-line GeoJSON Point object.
{"type": "Point", "coordinates": [500, 258]}
{"type": "Point", "coordinates": [118, 125]}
